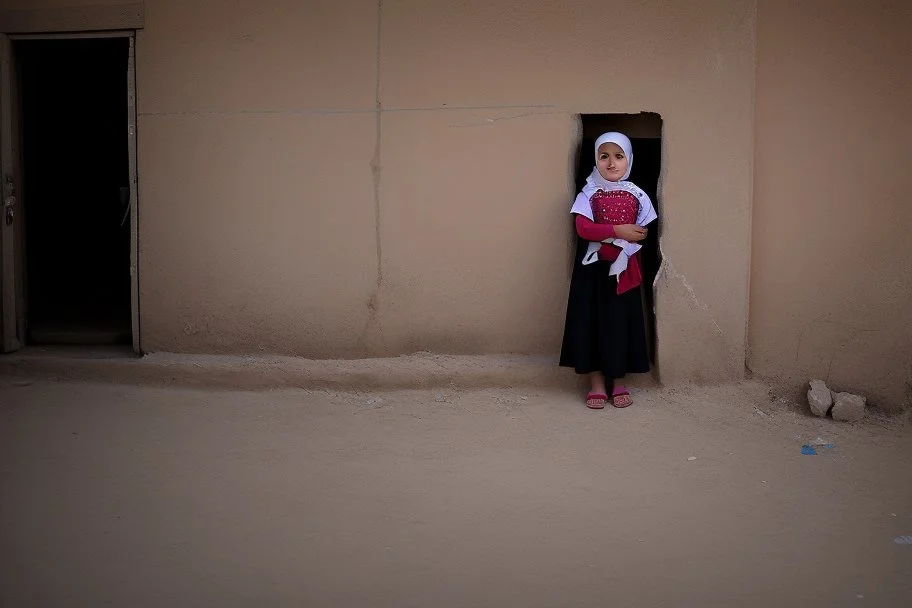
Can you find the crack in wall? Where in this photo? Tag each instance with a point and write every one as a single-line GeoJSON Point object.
{"type": "Point", "coordinates": [835, 351]}
{"type": "Point", "coordinates": [490, 121]}
{"type": "Point", "coordinates": [668, 269]}
{"type": "Point", "coordinates": [375, 162]}
{"type": "Point", "coordinates": [373, 302]}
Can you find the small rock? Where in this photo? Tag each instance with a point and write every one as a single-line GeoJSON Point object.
{"type": "Point", "coordinates": [440, 398]}
{"type": "Point", "coordinates": [848, 407]}
{"type": "Point", "coordinates": [820, 398]}
{"type": "Point", "coordinates": [692, 458]}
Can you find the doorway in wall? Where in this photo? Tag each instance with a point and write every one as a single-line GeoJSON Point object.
{"type": "Point", "coordinates": [645, 133]}
{"type": "Point", "coordinates": [76, 186]}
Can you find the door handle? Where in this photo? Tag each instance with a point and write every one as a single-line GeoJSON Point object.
{"type": "Point", "coordinates": [9, 203]}
{"type": "Point", "coordinates": [9, 209]}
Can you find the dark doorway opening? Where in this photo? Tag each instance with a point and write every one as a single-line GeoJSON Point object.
{"type": "Point", "coordinates": [645, 133]}
{"type": "Point", "coordinates": [76, 172]}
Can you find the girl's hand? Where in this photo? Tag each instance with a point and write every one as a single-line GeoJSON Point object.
{"type": "Point", "coordinates": [630, 232]}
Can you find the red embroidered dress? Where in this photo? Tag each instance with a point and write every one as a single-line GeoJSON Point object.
{"type": "Point", "coordinates": [613, 209]}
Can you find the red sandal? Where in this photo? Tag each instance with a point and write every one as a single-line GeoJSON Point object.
{"type": "Point", "coordinates": [596, 401]}
{"type": "Point", "coordinates": [620, 397]}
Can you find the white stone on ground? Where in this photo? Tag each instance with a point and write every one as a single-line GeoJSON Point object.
{"type": "Point", "coordinates": [848, 407]}
{"type": "Point", "coordinates": [820, 398]}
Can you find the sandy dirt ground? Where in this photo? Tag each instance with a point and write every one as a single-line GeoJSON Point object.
{"type": "Point", "coordinates": [128, 496]}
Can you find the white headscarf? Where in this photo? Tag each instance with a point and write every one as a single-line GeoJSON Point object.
{"type": "Point", "coordinates": [623, 142]}
{"type": "Point", "coordinates": [596, 182]}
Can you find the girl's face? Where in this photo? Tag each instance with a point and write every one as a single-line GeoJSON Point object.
{"type": "Point", "coordinates": [611, 162]}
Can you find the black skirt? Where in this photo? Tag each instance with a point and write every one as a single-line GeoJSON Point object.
{"type": "Point", "coordinates": [604, 332]}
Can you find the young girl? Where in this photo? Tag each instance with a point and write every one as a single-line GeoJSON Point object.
{"type": "Point", "coordinates": [605, 334]}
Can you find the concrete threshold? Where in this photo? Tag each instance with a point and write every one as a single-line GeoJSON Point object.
{"type": "Point", "coordinates": [231, 372]}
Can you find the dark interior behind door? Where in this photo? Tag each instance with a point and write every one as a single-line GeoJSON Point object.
{"type": "Point", "coordinates": [75, 180]}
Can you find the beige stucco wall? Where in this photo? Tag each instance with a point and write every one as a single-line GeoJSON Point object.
{"type": "Point", "coordinates": [333, 178]}
{"type": "Point", "coordinates": [258, 136]}
{"type": "Point", "coordinates": [831, 286]}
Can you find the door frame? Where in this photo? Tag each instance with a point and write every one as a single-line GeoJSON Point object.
{"type": "Point", "coordinates": [9, 254]}
{"type": "Point", "coordinates": [11, 244]}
